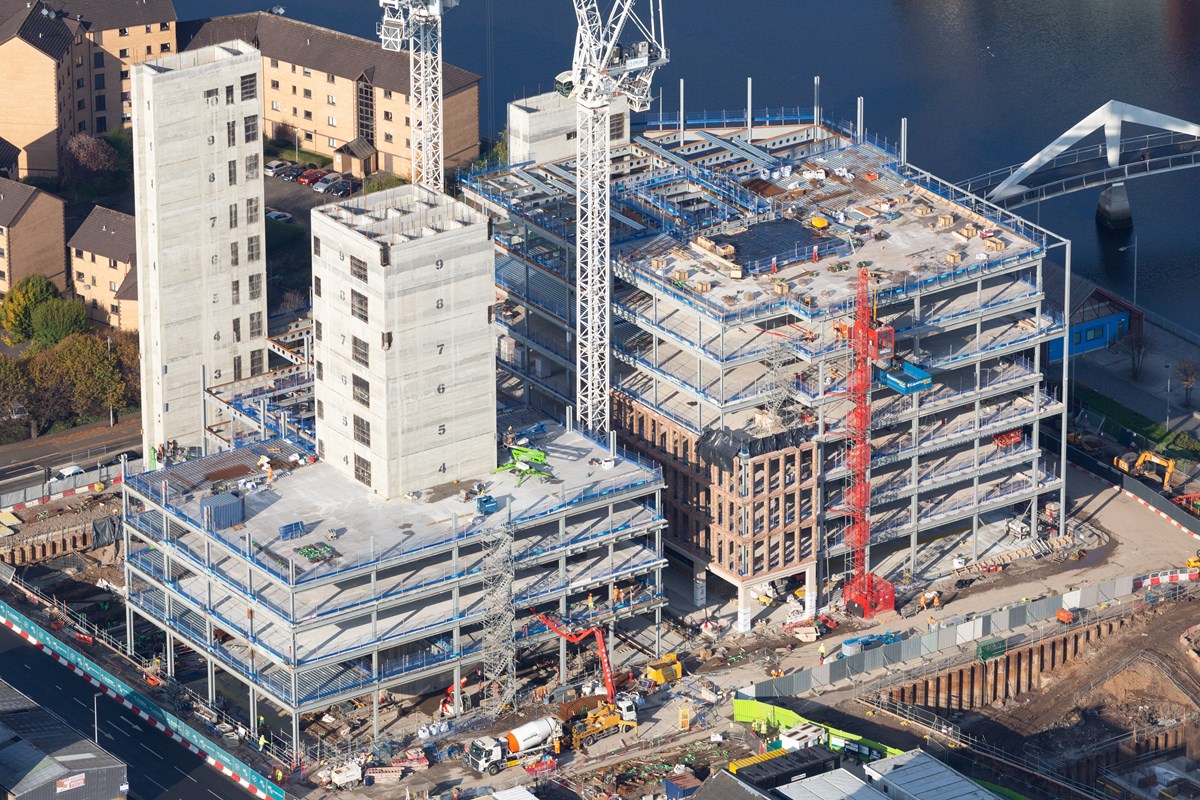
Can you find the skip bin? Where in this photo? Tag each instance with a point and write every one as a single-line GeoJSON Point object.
{"type": "Point", "coordinates": [987, 649]}
{"type": "Point", "coordinates": [682, 785]}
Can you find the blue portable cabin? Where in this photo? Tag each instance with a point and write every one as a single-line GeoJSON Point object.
{"type": "Point", "coordinates": [906, 379]}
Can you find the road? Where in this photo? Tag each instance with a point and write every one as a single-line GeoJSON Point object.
{"type": "Point", "coordinates": [159, 767]}
{"type": "Point", "coordinates": [85, 445]}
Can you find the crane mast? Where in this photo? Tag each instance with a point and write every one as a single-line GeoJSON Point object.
{"type": "Point", "coordinates": [602, 69]}
{"type": "Point", "coordinates": [419, 24]}
{"type": "Point", "coordinates": [865, 594]}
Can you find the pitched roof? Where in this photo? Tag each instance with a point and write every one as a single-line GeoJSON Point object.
{"type": "Point", "coordinates": [319, 49]}
{"type": "Point", "coordinates": [37, 748]}
{"type": "Point", "coordinates": [8, 152]}
{"type": "Point", "coordinates": [723, 786]}
{"type": "Point", "coordinates": [107, 233]}
{"type": "Point", "coordinates": [101, 15]}
{"type": "Point", "coordinates": [15, 197]}
{"type": "Point", "coordinates": [359, 148]}
{"type": "Point", "coordinates": [128, 289]}
{"type": "Point", "coordinates": [50, 34]}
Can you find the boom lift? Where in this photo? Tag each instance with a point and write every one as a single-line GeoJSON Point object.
{"type": "Point", "coordinates": [526, 463]}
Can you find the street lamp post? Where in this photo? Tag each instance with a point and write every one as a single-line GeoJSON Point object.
{"type": "Point", "coordinates": [1135, 260]}
{"type": "Point", "coordinates": [1168, 366]}
{"type": "Point", "coordinates": [96, 716]}
{"type": "Point", "coordinates": [111, 420]}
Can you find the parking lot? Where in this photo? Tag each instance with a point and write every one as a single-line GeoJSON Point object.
{"type": "Point", "coordinates": [293, 198]}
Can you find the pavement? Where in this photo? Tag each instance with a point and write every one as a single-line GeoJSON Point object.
{"type": "Point", "coordinates": [85, 444]}
{"type": "Point", "coordinates": [1111, 374]}
{"type": "Point", "coordinates": [158, 766]}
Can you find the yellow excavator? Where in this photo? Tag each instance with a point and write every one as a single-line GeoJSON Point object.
{"type": "Point", "coordinates": [1143, 465]}
{"type": "Point", "coordinates": [1193, 562]}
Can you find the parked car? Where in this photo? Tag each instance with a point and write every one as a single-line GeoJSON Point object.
{"type": "Point", "coordinates": [278, 216]}
{"type": "Point", "coordinates": [13, 412]}
{"type": "Point", "coordinates": [311, 176]}
{"type": "Point", "coordinates": [323, 185]}
{"type": "Point", "coordinates": [292, 173]}
{"type": "Point", "coordinates": [344, 187]}
{"type": "Point", "coordinates": [130, 455]}
{"type": "Point", "coordinates": [273, 168]}
{"type": "Point", "coordinates": [69, 471]}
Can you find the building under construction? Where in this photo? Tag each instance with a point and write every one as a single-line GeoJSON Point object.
{"type": "Point", "coordinates": [362, 518]}
{"type": "Point", "coordinates": [736, 258]}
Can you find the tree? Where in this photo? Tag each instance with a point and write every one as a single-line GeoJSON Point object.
{"type": "Point", "coordinates": [49, 393]}
{"type": "Point", "coordinates": [56, 319]}
{"type": "Point", "coordinates": [14, 385]}
{"type": "Point", "coordinates": [125, 344]}
{"type": "Point", "coordinates": [1136, 344]}
{"type": "Point", "coordinates": [90, 157]}
{"type": "Point", "coordinates": [16, 312]}
{"type": "Point", "coordinates": [89, 368]}
{"type": "Point", "coordinates": [1188, 372]}
{"type": "Point", "coordinates": [121, 141]}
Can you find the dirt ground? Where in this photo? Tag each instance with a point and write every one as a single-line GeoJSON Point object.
{"type": "Point", "coordinates": [1140, 678]}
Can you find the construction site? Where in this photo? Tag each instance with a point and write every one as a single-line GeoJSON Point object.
{"type": "Point", "coordinates": [748, 262]}
{"type": "Point", "coordinates": [458, 534]}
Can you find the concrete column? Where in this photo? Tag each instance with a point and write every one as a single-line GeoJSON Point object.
{"type": "Point", "coordinates": [170, 645]}
{"type": "Point", "coordinates": [745, 612]}
{"type": "Point", "coordinates": [699, 583]}
{"type": "Point", "coordinates": [253, 713]}
{"type": "Point", "coordinates": [1113, 211]}
{"type": "Point", "coordinates": [375, 712]}
{"type": "Point", "coordinates": [811, 590]}
{"type": "Point", "coordinates": [212, 681]}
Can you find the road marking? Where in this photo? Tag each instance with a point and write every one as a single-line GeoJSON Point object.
{"type": "Point", "coordinates": [28, 667]}
{"type": "Point", "coordinates": [77, 700]}
{"type": "Point", "coordinates": [119, 730]}
{"type": "Point", "coordinates": [156, 783]}
{"type": "Point", "coordinates": [130, 722]}
{"type": "Point", "coordinates": [59, 687]}
{"type": "Point", "coordinates": [148, 750]}
{"type": "Point", "coordinates": [214, 794]}
{"type": "Point", "coordinates": [184, 774]}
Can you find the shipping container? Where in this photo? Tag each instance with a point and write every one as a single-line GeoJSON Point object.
{"type": "Point", "coordinates": [223, 511]}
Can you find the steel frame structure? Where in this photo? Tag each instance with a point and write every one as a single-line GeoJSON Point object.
{"type": "Point", "coordinates": [419, 22]}
{"type": "Point", "coordinates": [602, 69]}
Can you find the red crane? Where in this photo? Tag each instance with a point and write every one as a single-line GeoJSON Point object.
{"type": "Point", "coordinates": [576, 638]}
{"type": "Point", "coordinates": [865, 594]}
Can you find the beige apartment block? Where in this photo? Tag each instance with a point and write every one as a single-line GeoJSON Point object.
{"type": "Point", "coordinates": [327, 91]}
{"type": "Point", "coordinates": [32, 237]}
{"type": "Point", "coordinates": [65, 64]}
{"type": "Point", "coordinates": [103, 255]}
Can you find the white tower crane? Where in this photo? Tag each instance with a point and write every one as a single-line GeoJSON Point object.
{"type": "Point", "coordinates": [419, 23]}
{"type": "Point", "coordinates": [602, 69]}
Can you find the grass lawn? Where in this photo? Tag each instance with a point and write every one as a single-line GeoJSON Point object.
{"type": "Point", "coordinates": [273, 150]}
{"type": "Point", "coordinates": [1175, 444]}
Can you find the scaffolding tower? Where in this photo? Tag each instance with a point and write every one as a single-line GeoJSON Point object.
{"type": "Point", "coordinates": [499, 622]}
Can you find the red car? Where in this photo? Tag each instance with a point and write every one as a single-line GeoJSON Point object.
{"type": "Point", "coordinates": [311, 177]}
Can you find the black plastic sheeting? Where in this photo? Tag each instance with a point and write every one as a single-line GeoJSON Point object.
{"type": "Point", "coordinates": [105, 531]}
{"type": "Point", "coordinates": [721, 446]}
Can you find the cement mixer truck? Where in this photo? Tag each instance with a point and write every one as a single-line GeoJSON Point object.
{"type": "Point", "coordinates": [490, 755]}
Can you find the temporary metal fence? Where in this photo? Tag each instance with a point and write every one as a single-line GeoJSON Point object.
{"type": "Point", "coordinates": [98, 474]}
{"type": "Point", "coordinates": [946, 641]}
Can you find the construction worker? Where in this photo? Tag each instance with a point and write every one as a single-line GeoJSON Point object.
{"type": "Point", "coordinates": [262, 742]}
{"type": "Point", "coordinates": [937, 601]}
{"type": "Point", "coordinates": [591, 601]}
{"type": "Point", "coordinates": [821, 652]}
{"type": "Point", "coordinates": [932, 625]}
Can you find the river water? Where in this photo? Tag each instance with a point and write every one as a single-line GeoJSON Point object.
{"type": "Point", "coordinates": [984, 84]}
